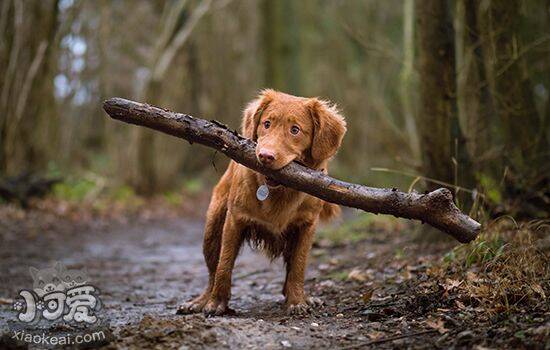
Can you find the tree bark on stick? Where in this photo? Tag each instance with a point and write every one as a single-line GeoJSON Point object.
{"type": "Point", "coordinates": [435, 208]}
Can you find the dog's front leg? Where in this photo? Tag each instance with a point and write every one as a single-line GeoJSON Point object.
{"type": "Point", "coordinates": [232, 239]}
{"type": "Point", "coordinates": [296, 261]}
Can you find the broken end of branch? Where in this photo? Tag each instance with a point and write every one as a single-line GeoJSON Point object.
{"type": "Point", "coordinates": [444, 215]}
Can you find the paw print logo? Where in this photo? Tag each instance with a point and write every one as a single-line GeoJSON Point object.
{"type": "Point", "coordinates": [18, 305]}
{"type": "Point", "coordinates": [40, 305]}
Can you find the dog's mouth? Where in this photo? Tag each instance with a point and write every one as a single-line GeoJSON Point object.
{"type": "Point", "coordinates": [270, 182]}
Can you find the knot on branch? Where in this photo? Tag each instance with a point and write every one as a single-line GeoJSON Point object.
{"type": "Point", "coordinates": [441, 200]}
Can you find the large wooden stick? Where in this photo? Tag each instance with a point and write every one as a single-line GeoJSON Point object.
{"type": "Point", "coordinates": [435, 208]}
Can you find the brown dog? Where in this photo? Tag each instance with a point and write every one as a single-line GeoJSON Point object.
{"type": "Point", "coordinates": [286, 128]}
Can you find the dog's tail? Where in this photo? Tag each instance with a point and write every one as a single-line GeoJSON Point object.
{"type": "Point", "coordinates": [329, 211]}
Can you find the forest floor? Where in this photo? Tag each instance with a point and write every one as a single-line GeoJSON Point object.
{"type": "Point", "coordinates": [380, 287]}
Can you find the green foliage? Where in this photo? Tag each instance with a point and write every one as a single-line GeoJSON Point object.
{"type": "Point", "coordinates": [94, 189]}
{"type": "Point", "coordinates": [74, 190]}
{"type": "Point", "coordinates": [193, 185]}
{"type": "Point", "coordinates": [491, 188]}
{"type": "Point", "coordinates": [350, 231]}
{"type": "Point", "coordinates": [123, 194]}
{"type": "Point", "coordinates": [399, 253]}
{"type": "Point", "coordinates": [356, 229]}
{"type": "Point", "coordinates": [53, 170]}
{"type": "Point", "coordinates": [338, 275]}
{"type": "Point", "coordinates": [484, 251]}
{"type": "Point", "coordinates": [450, 257]}
{"type": "Point", "coordinates": [174, 198]}
{"type": "Point", "coordinates": [479, 252]}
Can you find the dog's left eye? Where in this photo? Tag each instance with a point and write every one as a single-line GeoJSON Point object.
{"type": "Point", "coordinates": [295, 130]}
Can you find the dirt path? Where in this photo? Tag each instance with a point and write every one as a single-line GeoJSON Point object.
{"type": "Point", "coordinates": [146, 269]}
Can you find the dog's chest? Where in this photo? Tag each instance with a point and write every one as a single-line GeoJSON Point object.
{"type": "Point", "coordinates": [278, 211]}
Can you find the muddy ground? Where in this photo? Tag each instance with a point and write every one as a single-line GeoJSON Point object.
{"type": "Point", "coordinates": [377, 291]}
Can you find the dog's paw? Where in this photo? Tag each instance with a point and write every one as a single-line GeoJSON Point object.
{"type": "Point", "coordinates": [191, 307]}
{"type": "Point", "coordinates": [299, 309]}
{"type": "Point", "coordinates": [215, 308]}
{"type": "Point", "coordinates": [314, 302]}
{"type": "Point", "coordinates": [305, 307]}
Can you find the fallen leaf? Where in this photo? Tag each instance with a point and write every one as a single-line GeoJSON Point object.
{"type": "Point", "coordinates": [471, 276]}
{"type": "Point", "coordinates": [460, 305]}
{"type": "Point", "coordinates": [434, 271]}
{"type": "Point", "coordinates": [406, 275]}
{"type": "Point", "coordinates": [357, 275]}
{"type": "Point", "coordinates": [367, 296]}
{"type": "Point", "coordinates": [375, 335]}
{"type": "Point", "coordinates": [451, 284]}
{"type": "Point", "coordinates": [438, 325]}
{"type": "Point", "coordinates": [538, 289]}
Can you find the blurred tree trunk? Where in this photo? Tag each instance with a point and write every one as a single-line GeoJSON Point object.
{"type": "Point", "coordinates": [98, 133]}
{"type": "Point", "coordinates": [442, 145]}
{"type": "Point", "coordinates": [193, 83]}
{"type": "Point", "coordinates": [474, 104]}
{"type": "Point", "coordinates": [26, 96]}
{"type": "Point", "coordinates": [194, 73]}
{"type": "Point", "coordinates": [437, 89]}
{"type": "Point", "coordinates": [406, 85]}
{"type": "Point", "coordinates": [281, 39]}
{"type": "Point", "coordinates": [177, 28]}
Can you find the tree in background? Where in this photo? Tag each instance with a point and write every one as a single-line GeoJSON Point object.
{"type": "Point", "coordinates": [407, 82]}
{"type": "Point", "coordinates": [177, 26]}
{"type": "Point", "coordinates": [473, 98]}
{"type": "Point", "coordinates": [437, 120]}
{"type": "Point", "coordinates": [28, 123]}
{"type": "Point", "coordinates": [281, 39]}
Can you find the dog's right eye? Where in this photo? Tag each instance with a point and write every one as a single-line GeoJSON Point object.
{"type": "Point", "coordinates": [267, 124]}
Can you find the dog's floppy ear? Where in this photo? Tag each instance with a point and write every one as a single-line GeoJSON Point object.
{"type": "Point", "coordinates": [253, 113]}
{"type": "Point", "coordinates": [329, 129]}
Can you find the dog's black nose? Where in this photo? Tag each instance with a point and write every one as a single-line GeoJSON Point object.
{"type": "Point", "coordinates": [266, 156]}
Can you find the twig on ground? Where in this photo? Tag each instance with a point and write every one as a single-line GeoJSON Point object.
{"type": "Point", "coordinates": [385, 340]}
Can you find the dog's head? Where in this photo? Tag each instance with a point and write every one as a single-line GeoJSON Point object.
{"type": "Point", "coordinates": [288, 128]}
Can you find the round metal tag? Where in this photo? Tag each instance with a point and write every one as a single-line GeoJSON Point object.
{"type": "Point", "coordinates": [262, 193]}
